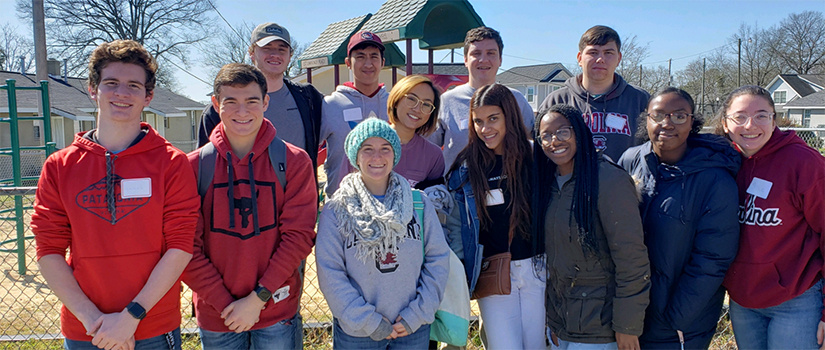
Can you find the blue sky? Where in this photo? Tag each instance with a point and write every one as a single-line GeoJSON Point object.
{"type": "Point", "coordinates": [534, 31]}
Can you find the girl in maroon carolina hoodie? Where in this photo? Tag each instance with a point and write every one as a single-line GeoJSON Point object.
{"type": "Point", "coordinates": [775, 281]}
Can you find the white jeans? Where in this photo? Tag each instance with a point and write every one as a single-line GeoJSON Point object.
{"type": "Point", "coordinates": [516, 321]}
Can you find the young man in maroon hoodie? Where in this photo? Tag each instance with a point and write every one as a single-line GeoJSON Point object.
{"type": "Point", "coordinates": [253, 231]}
{"type": "Point", "coordinates": [122, 200]}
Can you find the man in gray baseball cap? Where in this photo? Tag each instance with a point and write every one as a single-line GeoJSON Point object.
{"type": "Point", "coordinates": [294, 109]}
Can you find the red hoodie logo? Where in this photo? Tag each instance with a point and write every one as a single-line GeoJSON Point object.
{"type": "Point", "coordinates": [750, 214]}
{"type": "Point", "coordinates": [93, 199]}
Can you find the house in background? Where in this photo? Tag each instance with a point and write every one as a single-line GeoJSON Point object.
{"type": "Point", "coordinates": [175, 117]}
{"type": "Point", "coordinates": [535, 82]}
{"type": "Point", "coordinates": [808, 111]}
{"type": "Point", "coordinates": [787, 88]}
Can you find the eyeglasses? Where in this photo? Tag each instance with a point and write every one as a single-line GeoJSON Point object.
{"type": "Point", "coordinates": [562, 134]}
{"type": "Point", "coordinates": [413, 101]}
{"type": "Point", "coordinates": [763, 119]}
{"type": "Point", "coordinates": [675, 118]}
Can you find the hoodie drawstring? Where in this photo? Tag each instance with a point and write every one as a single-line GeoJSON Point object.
{"type": "Point", "coordinates": [254, 196]}
{"type": "Point", "coordinates": [230, 190]}
{"type": "Point", "coordinates": [110, 187]}
{"type": "Point", "coordinates": [230, 193]}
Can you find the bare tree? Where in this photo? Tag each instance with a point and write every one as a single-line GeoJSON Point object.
{"type": "Point", "coordinates": [297, 49]}
{"type": "Point", "coordinates": [655, 78]}
{"type": "Point", "coordinates": [719, 79]}
{"type": "Point", "coordinates": [799, 42]}
{"type": "Point", "coordinates": [633, 54]}
{"type": "Point", "coordinates": [227, 46]}
{"type": "Point", "coordinates": [165, 27]}
{"type": "Point", "coordinates": [232, 45]}
{"type": "Point", "coordinates": [12, 47]}
{"type": "Point", "coordinates": [759, 66]}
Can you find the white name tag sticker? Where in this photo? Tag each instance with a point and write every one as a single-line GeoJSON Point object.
{"type": "Point", "coordinates": [136, 188]}
{"type": "Point", "coordinates": [463, 124]}
{"type": "Point", "coordinates": [495, 197]}
{"type": "Point", "coordinates": [760, 188]}
{"type": "Point", "coordinates": [280, 294]}
{"type": "Point", "coordinates": [614, 121]}
{"type": "Point", "coordinates": [353, 114]}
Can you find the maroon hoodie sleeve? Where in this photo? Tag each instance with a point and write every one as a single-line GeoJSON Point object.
{"type": "Point", "coordinates": [296, 220]}
{"type": "Point", "coordinates": [812, 196]}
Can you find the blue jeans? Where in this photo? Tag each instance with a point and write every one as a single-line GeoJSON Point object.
{"type": "Point", "coordinates": [420, 339]}
{"type": "Point", "coordinates": [790, 325]}
{"type": "Point", "coordinates": [287, 334]}
{"type": "Point", "coordinates": [566, 345]}
{"type": "Point", "coordinates": [169, 340]}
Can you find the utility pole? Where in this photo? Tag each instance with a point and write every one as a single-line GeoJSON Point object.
{"type": "Point", "coordinates": [41, 72]}
{"type": "Point", "coordinates": [669, 76]}
{"type": "Point", "coordinates": [640, 76]}
{"type": "Point", "coordinates": [739, 75]}
{"type": "Point", "coordinates": [704, 64]}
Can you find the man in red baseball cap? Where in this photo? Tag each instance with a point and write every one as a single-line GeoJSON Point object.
{"type": "Point", "coordinates": [353, 101]}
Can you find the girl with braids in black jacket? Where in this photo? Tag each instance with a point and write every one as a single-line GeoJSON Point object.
{"type": "Point", "coordinates": [587, 208]}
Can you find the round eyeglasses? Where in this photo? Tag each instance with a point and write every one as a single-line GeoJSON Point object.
{"type": "Point", "coordinates": [413, 101]}
{"type": "Point", "coordinates": [564, 133]}
{"type": "Point", "coordinates": [675, 118]}
{"type": "Point", "coordinates": [763, 119]}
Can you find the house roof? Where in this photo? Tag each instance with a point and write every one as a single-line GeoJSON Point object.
{"type": "Point", "coordinates": [441, 68]}
{"type": "Point", "coordinates": [815, 100]}
{"type": "Point", "coordinates": [801, 87]}
{"type": "Point", "coordinates": [539, 73]}
{"type": "Point", "coordinates": [70, 99]}
{"type": "Point", "coordinates": [818, 79]}
{"type": "Point", "coordinates": [330, 47]}
{"type": "Point", "coordinates": [437, 24]}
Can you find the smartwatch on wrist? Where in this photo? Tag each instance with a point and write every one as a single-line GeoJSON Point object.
{"type": "Point", "coordinates": [263, 293]}
{"type": "Point", "coordinates": [136, 310]}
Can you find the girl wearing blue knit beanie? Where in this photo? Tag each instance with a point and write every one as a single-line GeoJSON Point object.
{"type": "Point", "coordinates": [381, 267]}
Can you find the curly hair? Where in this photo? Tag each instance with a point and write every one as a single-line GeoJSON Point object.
{"type": "Point", "coordinates": [125, 51]}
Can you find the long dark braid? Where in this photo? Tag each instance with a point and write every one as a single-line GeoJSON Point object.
{"type": "Point", "coordinates": [586, 170]}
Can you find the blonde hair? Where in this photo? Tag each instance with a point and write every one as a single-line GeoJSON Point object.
{"type": "Point", "coordinates": [403, 87]}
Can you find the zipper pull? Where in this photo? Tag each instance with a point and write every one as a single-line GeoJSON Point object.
{"type": "Point", "coordinates": [681, 339]}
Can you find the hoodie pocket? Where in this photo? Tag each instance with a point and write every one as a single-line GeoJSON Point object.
{"type": "Point", "coordinates": [584, 309]}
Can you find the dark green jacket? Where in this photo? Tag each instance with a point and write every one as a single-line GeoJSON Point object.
{"type": "Point", "coordinates": [592, 295]}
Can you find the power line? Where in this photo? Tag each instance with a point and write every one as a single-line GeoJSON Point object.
{"type": "Point", "coordinates": [224, 19]}
{"type": "Point", "coordinates": [191, 74]}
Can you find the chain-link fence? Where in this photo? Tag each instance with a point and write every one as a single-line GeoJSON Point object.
{"type": "Point", "coordinates": [30, 311]}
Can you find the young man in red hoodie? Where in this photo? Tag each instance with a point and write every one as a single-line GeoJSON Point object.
{"type": "Point", "coordinates": [253, 230]}
{"type": "Point", "coordinates": [122, 200]}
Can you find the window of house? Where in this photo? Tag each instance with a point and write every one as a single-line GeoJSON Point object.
{"type": "Point", "coordinates": [166, 122]}
{"type": "Point", "coordinates": [531, 93]}
{"type": "Point", "coordinates": [36, 130]}
{"type": "Point", "coordinates": [780, 96]}
{"type": "Point", "coordinates": [806, 118]}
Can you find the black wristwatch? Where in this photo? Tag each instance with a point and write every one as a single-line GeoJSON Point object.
{"type": "Point", "coordinates": [136, 310]}
{"type": "Point", "coordinates": [263, 293]}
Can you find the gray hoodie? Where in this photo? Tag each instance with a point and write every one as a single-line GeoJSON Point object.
{"type": "Point", "coordinates": [409, 284]}
{"type": "Point", "coordinates": [612, 117]}
{"type": "Point", "coordinates": [342, 111]}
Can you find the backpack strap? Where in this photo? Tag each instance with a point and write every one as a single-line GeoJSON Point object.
{"type": "Point", "coordinates": [418, 207]}
{"type": "Point", "coordinates": [277, 156]}
{"type": "Point", "coordinates": [206, 167]}
{"type": "Point", "coordinates": [207, 156]}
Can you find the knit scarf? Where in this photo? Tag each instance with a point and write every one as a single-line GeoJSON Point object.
{"type": "Point", "coordinates": [378, 227]}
